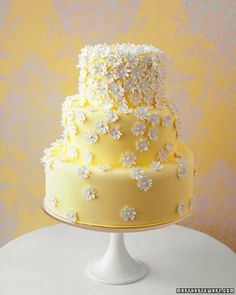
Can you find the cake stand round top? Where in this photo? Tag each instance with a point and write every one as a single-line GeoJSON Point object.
{"type": "Point", "coordinates": [52, 260]}
{"type": "Point", "coordinates": [114, 228]}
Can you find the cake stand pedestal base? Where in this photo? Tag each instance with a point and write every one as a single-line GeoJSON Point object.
{"type": "Point", "coordinates": [117, 267]}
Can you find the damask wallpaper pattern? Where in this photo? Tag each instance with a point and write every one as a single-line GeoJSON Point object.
{"type": "Point", "coordinates": [40, 41]}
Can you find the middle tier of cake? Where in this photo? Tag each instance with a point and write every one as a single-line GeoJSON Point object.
{"type": "Point", "coordinates": [102, 137]}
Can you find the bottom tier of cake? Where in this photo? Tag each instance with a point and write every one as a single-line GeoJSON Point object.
{"type": "Point", "coordinates": [115, 199]}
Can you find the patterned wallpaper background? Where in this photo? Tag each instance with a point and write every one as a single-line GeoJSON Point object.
{"type": "Point", "coordinates": [40, 41]}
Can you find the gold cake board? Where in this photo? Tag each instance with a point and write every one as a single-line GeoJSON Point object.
{"type": "Point", "coordinates": [116, 228]}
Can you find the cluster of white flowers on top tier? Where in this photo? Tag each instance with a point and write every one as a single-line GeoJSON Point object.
{"type": "Point", "coordinates": [125, 71]}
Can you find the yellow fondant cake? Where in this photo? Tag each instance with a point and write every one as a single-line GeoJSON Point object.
{"type": "Point", "coordinates": [119, 163]}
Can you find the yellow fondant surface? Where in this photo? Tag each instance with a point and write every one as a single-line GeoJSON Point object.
{"type": "Point", "coordinates": [108, 150]}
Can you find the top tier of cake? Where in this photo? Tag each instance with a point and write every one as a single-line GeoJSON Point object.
{"type": "Point", "coordinates": [122, 75]}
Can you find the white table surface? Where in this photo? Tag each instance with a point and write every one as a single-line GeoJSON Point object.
{"type": "Point", "coordinates": [52, 261]}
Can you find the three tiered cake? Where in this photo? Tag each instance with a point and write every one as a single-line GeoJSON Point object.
{"type": "Point", "coordinates": [119, 163]}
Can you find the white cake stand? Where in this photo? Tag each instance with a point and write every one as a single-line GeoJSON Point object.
{"type": "Point", "coordinates": [116, 266]}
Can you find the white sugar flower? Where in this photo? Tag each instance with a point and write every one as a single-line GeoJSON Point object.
{"type": "Point", "coordinates": [98, 69]}
{"type": "Point", "coordinates": [122, 71]}
{"type": "Point", "coordinates": [166, 120]}
{"type": "Point", "coordinates": [110, 77]}
{"type": "Point", "coordinates": [91, 137]}
{"type": "Point", "coordinates": [65, 135]}
{"type": "Point", "coordinates": [153, 133]}
{"type": "Point", "coordinates": [142, 145]}
{"type": "Point", "coordinates": [47, 158]}
{"type": "Point", "coordinates": [181, 208]}
{"type": "Point", "coordinates": [113, 60]}
{"type": "Point", "coordinates": [160, 104]}
{"type": "Point", "coordinates": [128, 159]}
{"type": "Point", "coordinates": [116, 89]}
{"type": "Point", "coordinates": [170, 146]}
{"type": "Point", "coordinates": [89, 193]}
{"type": "Point", "coordinates": [83, 172]}
{"type": "Point", "coordinates": [175, 108]}
{"type": "Point", "coordinates": [182, 171]}
{"type": "Point", "coordinates": [80, 116]}
{"type": "Point", "coordinates": [142, 113]}
{"type": "Point", "coordinates": [115, 133]}
{"type": "Point", "coordinates": [104, 167]}
{"type": "Point", "coordinates": [128, 214]}
{"type": "Point", "coordinates": [101, 127]}
{"type": "Point", "coordinates": [124, 109]}
{"type": "Point", "coordinates": [137, 72]}
{"type": "Point", "coordinates": [136, 173]}
{"type": "Point", "coordinates": [71, 128]}
{"type": "Point", "coordinates": [182, 166]}
{"type": "Point", "coordinates": [156, 165]}
{"type": "Point", "coordinates": [71, 216]}
{"type": "Point", "coordinates": [111, 116]}
{"type": "Point", "coordinates": [135, 97]}
{"type": "Point", "coordinates": [138, 129]}
{"type": "Point", "coordinates": [102, 89]}
{"type": "Point", "coordinates": [179, 127]}
{"type": "Point", "coordinates": [130, 59]}
{"type": "Point", "coordinates": [144, 183]}
{"type": "Point", "coordinates": [52, 201]}
{"type": "Point", "coordinates": [87, 157]}
{"type": "Point", "coordinates": [163, 154]}
{"type": "Point", "coordinates": [72, 152]}
{"type": "Point", "coordinates": [179, 158]}
{"type": "Point", "coordinates": [80, 100]}
{"type": "Point", "coordinates": [129, 85]}
{"type": "Point", "coordinates": [154, 119]}
{"type": "Point", "coordinates": [107, 104]}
